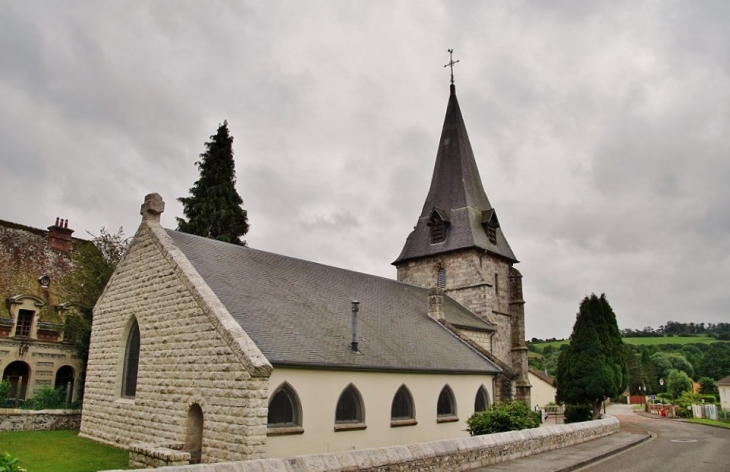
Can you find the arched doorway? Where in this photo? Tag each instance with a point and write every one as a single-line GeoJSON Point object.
{"type": "Point", "coordinates": [194, 433]}
{"type": "Point", "coordinates": [65, 380]}
{"type": "Point", "coordinates": [17, 373]}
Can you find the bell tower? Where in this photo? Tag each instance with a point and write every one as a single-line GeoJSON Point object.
{"type": "Point", "coordinates": [458, 245]}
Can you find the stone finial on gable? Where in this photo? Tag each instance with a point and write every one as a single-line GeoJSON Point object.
{"type": "Point", "coordinates": [152, 207]}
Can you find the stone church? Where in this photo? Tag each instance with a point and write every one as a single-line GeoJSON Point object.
{"type": "Point", "coordinates": [211, 352]}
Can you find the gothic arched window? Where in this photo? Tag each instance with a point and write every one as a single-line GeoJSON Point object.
{"type": "Point", "coordinates": [446, 406]}
{"type": "Point", "coordinates": [481, 402]}
{"type": "Point", "coordinates": [402, 412]}
{"type": "Point", "coordinates": [131, 361]}
{"type": "Point", "coordinates": [285, 409]}
{"type": "Point", "coordinates": [349, 413]}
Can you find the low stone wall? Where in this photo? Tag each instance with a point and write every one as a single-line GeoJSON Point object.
{"type": "Point", "coordinates": [445, 455]}
{"type": "Point", "coordinates": [13, 419]}
{"type": "Point", "coordinates": [157, 455]}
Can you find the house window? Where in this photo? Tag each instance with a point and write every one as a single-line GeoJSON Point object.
{"type": "Point", "coordinates": [131, 362]}
{"type": "Point", "coordinates": [25, 322]}
{"type": "Point", "coordinates": [285, 414]}
{"type": "Point", "coordinates": [349, 414]}
{"type": "Point", "coordinates": [441, 278]}
{"type": "Point", "coordinates": [481, 402]}
{"type": "Point", "coordinates": [446, 406]}
{"type": "Point", "coordinates": [496, 284]}
{"type": "Point", "coordinates": [402, 412]}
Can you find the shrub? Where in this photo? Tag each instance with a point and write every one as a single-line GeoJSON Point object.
{"type": "Point", "coordinates": [9, 463]}
{"type": "Point", "coordinates": [511, 416]}
{"type": "Point", "coordinates": [4, 390]}
{"type": "Point", "coordinates": [46, 399]}
{"type": "Point", "coordinates": [578, 413]}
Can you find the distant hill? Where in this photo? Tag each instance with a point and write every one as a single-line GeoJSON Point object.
{"type": "Point", "coordinates": [653, 341]}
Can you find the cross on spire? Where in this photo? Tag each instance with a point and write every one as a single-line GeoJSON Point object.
{"type": "Point", "coordinates": [451, 64]}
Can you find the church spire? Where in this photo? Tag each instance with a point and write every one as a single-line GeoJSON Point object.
{"type": "Point", "coordinates": [456, 214]}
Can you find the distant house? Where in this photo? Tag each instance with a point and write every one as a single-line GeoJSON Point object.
{"type": "Point", "coordinates": [543, 388]}
{"type": "Point", "coordinates": [35, 349]}
{"type": "Point", "coordinates": [723, 386]}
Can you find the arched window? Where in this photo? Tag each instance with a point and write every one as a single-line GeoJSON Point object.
{"type": "Point", "coordinates": [194, 433]}
{"type": "Point", "coordinates": [446, 406]}
{"type": "Point", "coordinates": [481, 402]}
{"type": "Point", "coordinates": [65, 381]}
{"type": "Point", "coordinates": [285, 411]}
{"type": "Point", "coordinates": [402, 412]}
{"type": "Point", "coordinates": [350, 413]}
{"type": "Point", "coordinates": [17, 373]}
{"type": "Point", "coordinates": [131, 362]}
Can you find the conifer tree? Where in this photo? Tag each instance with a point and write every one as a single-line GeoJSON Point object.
{"type": "Point", "coordinates": [594, 367]}
{"type": "Point", "coordinates": [213, 209]}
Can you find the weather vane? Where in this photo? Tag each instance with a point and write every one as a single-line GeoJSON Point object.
{"type": "Point", "coordinates": [451, 64]}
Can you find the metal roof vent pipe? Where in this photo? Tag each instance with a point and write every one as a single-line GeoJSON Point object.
{"type": "Point", "coordinates": [355, 310]}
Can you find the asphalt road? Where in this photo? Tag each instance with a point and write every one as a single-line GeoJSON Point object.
{"type": "Point", "coordinates": [677, 447]}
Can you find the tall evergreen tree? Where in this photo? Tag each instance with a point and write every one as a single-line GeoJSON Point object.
{"type": "Point", "coordinates": [213, 209]}
{"type": "Point", "coordinates": [594, 367]}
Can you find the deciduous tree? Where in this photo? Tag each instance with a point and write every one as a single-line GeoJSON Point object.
{"type": "Point", "coordinates": [594, 367]}
{"type": "Point", "coordinates": [213, 209]}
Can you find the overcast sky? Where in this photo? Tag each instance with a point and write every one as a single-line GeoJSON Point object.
{"type": "Point", "coordinates": [601, 131]}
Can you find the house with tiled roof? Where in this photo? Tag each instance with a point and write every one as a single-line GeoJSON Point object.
{"type": "Point", "coordinates": [35, 348]}
{"type": "Point", "coordinates": [543, 388]}
{"type": "Point", "coordinates": [723, 387]}
{"type": "Point", "coordinates": [231, 353]}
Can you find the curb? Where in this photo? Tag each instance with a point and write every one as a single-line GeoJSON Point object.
{"type": "Point", "coordinates": [607, 454]}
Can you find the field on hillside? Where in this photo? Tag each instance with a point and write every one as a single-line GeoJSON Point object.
{"type": "Point", "coordinates": [645, 341]}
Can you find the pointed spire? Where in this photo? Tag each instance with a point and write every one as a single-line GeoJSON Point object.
{"type": "Point", "coordinates": [457, 206]}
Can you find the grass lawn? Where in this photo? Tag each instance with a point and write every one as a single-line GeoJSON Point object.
{"type": "Point", "coordinates": [720, 424]}
{"type": "Point", "coordinates": [645, 341]}
{"type": "Point", "coordinates": [61, 451]}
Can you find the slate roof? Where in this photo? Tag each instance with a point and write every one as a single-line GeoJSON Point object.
{"type": "Point", "coordinates": [457, 190]}
{"type": "Point", "coordinates": [723, 382]}
{"type": "Point", "coordinates": [298, 312]}
{"type": "Point", "coordinates": [542, 375]}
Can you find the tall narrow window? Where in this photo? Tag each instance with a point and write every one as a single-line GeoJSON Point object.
{"type": "Point", "coordinates": [446, 406]}
{"type": "Point", "coordinates": [131, 362]}
{"type": "Point", "coordinates": [402, 412]}
{"type": "Point", "coordinates": [481, 402]}
{"type": "Point", "coordinates": [25, 322]}
{"type": "Point", "coordinates": [496, 284]}
{"type": "Point", "coordinates": [285, 414]}
{"type": "Point", "coordinates": [349, 413]}
{"type": "Point", "coordinates": [441, 278]}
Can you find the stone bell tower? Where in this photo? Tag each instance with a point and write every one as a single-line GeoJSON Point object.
{"type": "Point", "coordinates": [458, 245]}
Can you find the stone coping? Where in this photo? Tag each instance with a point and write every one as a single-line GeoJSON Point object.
{"type": "Point", "coordinates": [21, 411]}
{"type": "Point", "coordinates": [449, 454]}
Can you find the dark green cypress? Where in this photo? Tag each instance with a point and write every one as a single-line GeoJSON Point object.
{"type": "Point", "coordinates": [594, 367]}
{"type": "Point", "coordinates": [213, 209]}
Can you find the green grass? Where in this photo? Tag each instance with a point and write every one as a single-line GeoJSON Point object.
{"type": "Point", "coordinates": [61, 451]}
{"type": "Point", "coordinates": [720, 424]}
{"type": "Point", "coordinates": [646, 341]}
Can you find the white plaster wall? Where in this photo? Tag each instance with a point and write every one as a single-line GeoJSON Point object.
{"type": "Point", "coordinates": [725, 398]}
{"type": "Point", "coordinates": [319, 390]}
{"type": "Point", "coordinates": [542, 392]}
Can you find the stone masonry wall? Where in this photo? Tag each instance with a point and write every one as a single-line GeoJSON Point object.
{"type": "Point", "coordinates": [41, 420]}
{"type": "Point", "coordinates": [187, 356]}
{"type": "Point", "coordinates": [471, 281]}
{"type": "Point", "coordinates": [452, 455]}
